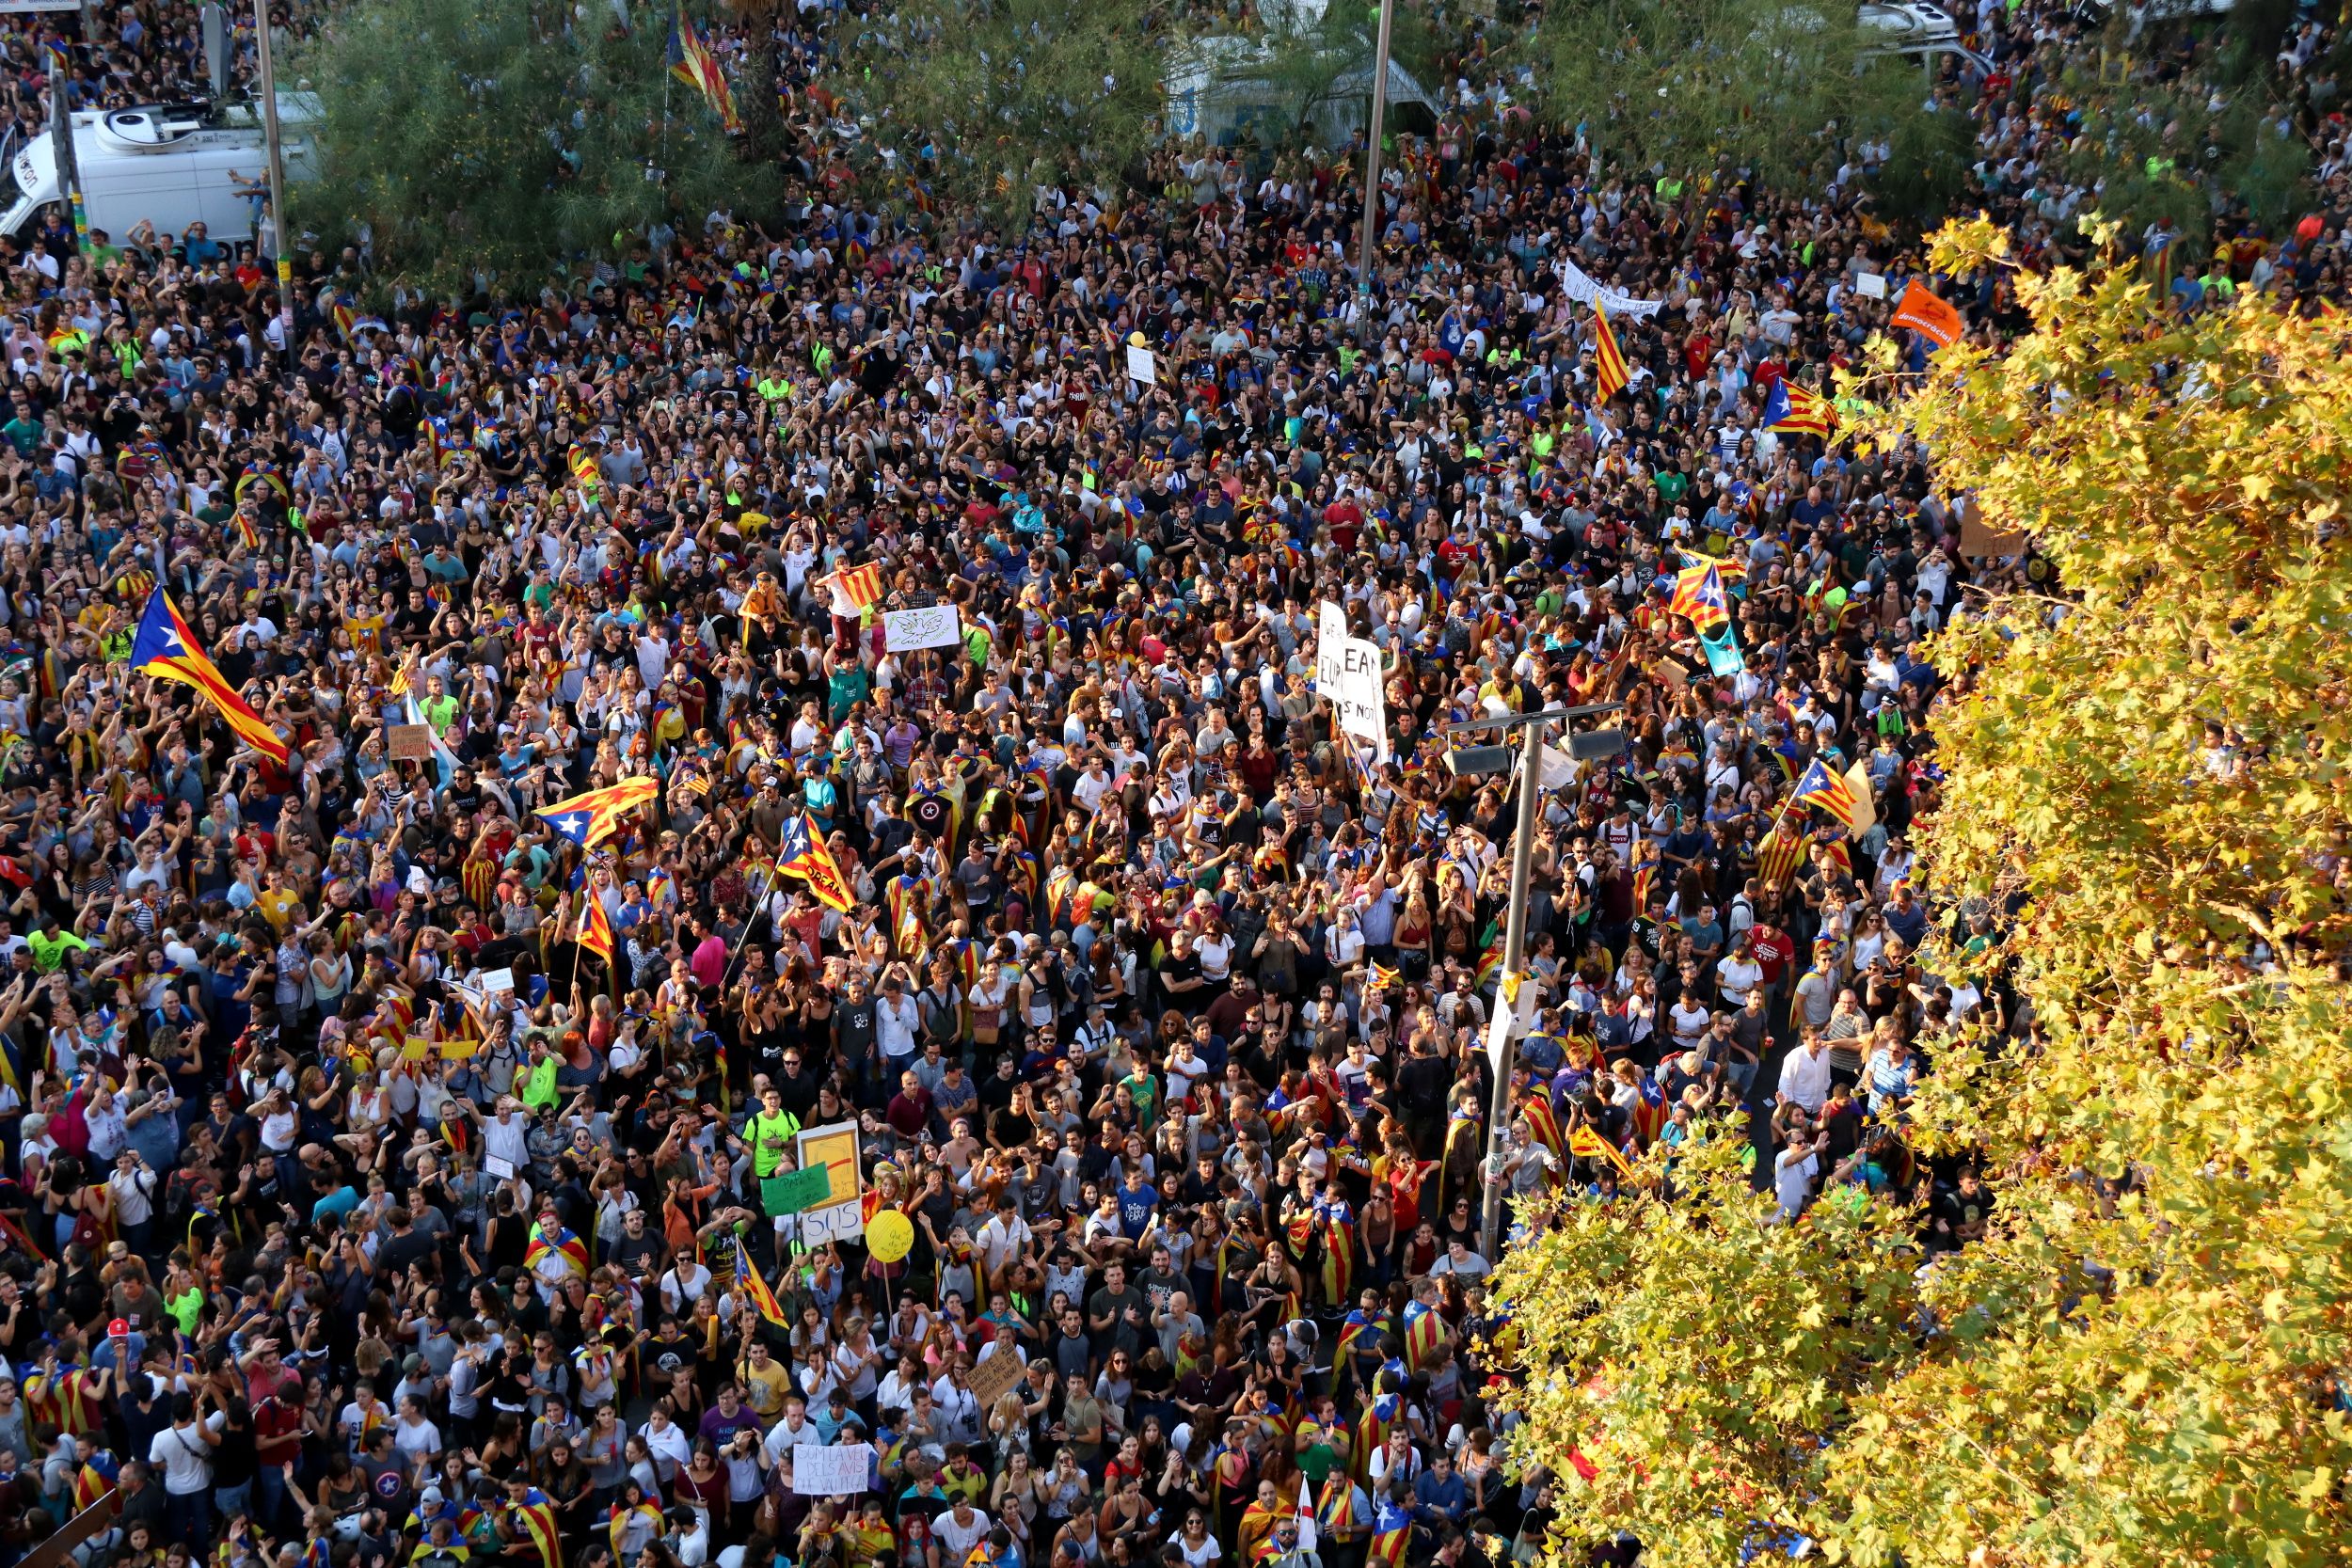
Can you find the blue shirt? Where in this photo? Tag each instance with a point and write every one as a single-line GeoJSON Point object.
{"type": "Point", "coordinates": [1449, 1497]}
{"type": "Point", "coordinates": [1135, 1210]}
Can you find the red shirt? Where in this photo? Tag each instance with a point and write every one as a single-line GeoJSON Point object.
{"type": "Point", "coordinates": [1773, 952]}
{"type": "Point", "coordinates": [908, 1114]}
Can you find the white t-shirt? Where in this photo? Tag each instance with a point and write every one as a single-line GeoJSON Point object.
{"type": "Point", "coordinates": [960, 1539]}
{"type": "Point", "coordinates": [1793, 1180]}
{"type": "Point", "coordinates": [186, 1458]}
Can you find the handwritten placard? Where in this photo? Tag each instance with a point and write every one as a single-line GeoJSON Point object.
{"type": "Point", "coordinates": [836, 1471]}
{"type": "Point", "coordinates": [933, 626]}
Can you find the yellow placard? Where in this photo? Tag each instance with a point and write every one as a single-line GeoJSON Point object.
{"type": "Point", "coordinates": [835, 1148]}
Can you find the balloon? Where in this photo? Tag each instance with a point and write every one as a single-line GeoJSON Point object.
{"type": "Point", "coordinates": [889, 1236]}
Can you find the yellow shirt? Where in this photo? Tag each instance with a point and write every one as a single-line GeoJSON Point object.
{"type": "Point", "coordinates": [764, 1390]}
{"type": "Point", "coordinates": [278, 905]}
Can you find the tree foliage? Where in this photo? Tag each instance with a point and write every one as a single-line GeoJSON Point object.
{"type": "Point", "coordinates": [2143, 1361]}
{"type": "Point", "coordinates": [1698, 1354]}
{"type": "Point", "coordinates": [981, 100]}
{"type": "Point", "coordinates": [503, 138]}
{"type": "Point", "coordinates": [1688, 88]}
{"type": "Point", "coordinates": [2162, 146]}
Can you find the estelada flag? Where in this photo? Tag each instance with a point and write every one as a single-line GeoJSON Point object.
{"type": "Point", "coordinates": [1699, 595]}
{"type": "Point", "coordinates": [165, 649]}
{"type": "Point", "coordinates": [1608, 358]}
{"type": "Point", "coordinates": [1928, 316]}
{"type": "Point", "coordinates": [590, 818]}
{"type": "Point", "coordinates": [803, 854]}
{"type": "Point", "coordinates": [757, 1288]}
{"type": "Point", "coordinates": [1831, 792]}
{"type": "Point", "coordinates": [1790, 410]}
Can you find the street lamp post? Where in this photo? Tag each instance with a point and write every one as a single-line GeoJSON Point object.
{"type": "Point", "coordinates": [1366, 241]}
{"type": "Point", "coordinates": [1533, 728]}
{"type": "Point", "coordinates": [266, 70]}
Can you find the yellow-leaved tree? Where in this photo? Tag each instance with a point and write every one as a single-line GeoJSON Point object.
{"type": "Point", "coordinates": [2144, 1362]}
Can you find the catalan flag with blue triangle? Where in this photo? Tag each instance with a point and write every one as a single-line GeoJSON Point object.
{"type": "Point", "coordinates": [1790, 410]}
{"type": "Point", "coordinates": [165, 649]}
{"type": "Point", "coordinates": [1829, 790]}
{"type": "Point", "coordinates": [1699, 595]}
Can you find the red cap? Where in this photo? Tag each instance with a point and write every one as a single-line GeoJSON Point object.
{"type": "Point", "coordinates": [118, 1328]}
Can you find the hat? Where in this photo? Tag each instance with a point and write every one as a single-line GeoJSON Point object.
{"type": "Point", "coordinates": [118, 1329]}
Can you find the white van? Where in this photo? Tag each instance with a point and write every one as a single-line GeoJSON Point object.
{"type": "Point", "coordinates": [170, 163]}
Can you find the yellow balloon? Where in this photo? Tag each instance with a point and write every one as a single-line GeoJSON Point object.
{"type": "Point", "coordinates": [889, 1236]}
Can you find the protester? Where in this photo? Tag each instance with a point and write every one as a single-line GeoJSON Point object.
{"type": "Point", "coordinates": [800, 682]}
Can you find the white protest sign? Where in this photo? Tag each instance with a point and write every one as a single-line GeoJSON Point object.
{"type": "Point", "coordinates": [1347, 671]}
{"type": "Point", "coordinates": [1331, 637]}
{"type": "Point", "coordinates": [495, 981]}
{"type": "Point", "coordinates": [934, 626]}
{"type": "Point", "coordinates": [1582, 287]}
{"type": "Point", "coordinates": [1869, 285]}
{"type": "Point", "coordinates": [1141, 365]}
{"type": "Point", "coordinates": [819, 1471]}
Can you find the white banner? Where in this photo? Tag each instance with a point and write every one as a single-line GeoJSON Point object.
{"type": "Point", "coordinates": [1582, 288]}
{"type": "Point", "coordinates": [838, 1471]}
{"type": "Point", "coordinates": [934, 626]}
{"type": "Point", "coordinates": [1141, 365]}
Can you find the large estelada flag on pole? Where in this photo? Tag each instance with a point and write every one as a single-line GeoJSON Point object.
{"type": "Point", "coordinates": [803, 854]}
{"type": "Point", "coordinates": [167, 649]}
{"type": "Point", "coordinates": [692, 63]}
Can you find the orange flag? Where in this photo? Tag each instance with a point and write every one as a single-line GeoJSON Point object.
{"type": "Point", "coordinates": [1927, 315]}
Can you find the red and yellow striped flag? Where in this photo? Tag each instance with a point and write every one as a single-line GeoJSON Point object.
{"type": "Point", "coordinates": [855, 587]}
{"type": "Point", "coordinates": [1608, 356]}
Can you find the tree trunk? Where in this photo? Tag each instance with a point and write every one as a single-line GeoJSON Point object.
{"type": "Point", "coordinates": [763, 126]}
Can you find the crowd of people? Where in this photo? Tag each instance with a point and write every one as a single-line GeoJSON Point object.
{"type": "Point", "coordinates": [401, 1164]}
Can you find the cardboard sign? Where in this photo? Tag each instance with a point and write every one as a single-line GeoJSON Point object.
{"type": "Point", "coordinates": [1141, 366]}
{"type": "Point", "coordinates": [989, 1380]}
{"type": "Point", "coordinates": [1977, 539]}
{"type": "Point", "coordinates": [1871, 285]}
{"type": "Point", "coordinates": [409, 743]}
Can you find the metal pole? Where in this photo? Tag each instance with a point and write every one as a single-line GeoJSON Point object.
{"type": "Point", "coordinates": [61, 140]}
{"type": "Point", "coordinates": [1514, 959]}
{"type": "Point", "coordinates": [277, 180]}
{"type": "Point", "coordinates": [1365, 243]}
